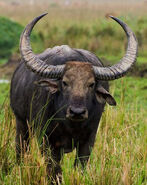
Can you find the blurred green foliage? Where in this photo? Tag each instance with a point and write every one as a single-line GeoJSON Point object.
{"type": "Point", "coordinates": [9, 36]}
{"type": "Point", "coordinates": [10, 32]}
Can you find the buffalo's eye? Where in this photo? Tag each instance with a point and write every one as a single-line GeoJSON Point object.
{"type": "Point", "coordinates": [91, 85]}
{"type": "Point", "coordinates": [64, 84]}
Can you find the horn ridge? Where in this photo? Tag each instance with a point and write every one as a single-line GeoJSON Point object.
{"type": "Point", "coordinates": [31, 60]}
{"type": "Point", "coordinates": [122, 67]}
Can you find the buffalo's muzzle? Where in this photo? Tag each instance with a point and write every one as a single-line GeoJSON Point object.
{"type": "Point", "coordinates": [77, 113]}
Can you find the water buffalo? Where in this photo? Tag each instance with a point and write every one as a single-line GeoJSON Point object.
{"type": "Point", "coordinates": [63, 91]}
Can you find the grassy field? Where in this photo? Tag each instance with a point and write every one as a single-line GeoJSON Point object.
{"type": "Point", "coordinates": [119, 156]}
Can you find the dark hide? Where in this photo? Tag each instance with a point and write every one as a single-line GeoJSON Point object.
{"type": "Point", "coordinates": [31, 102]}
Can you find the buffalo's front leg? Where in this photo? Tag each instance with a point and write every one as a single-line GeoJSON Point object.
{"type": "Point", "coordinates": [82, 155]}
{"type": "Point", "coordinates": [54, 162]}
{"type": "Point", "coordinates": [22, 138]}
{"type": "Point", "coordinates": [84, 149]}
{"type": "Point", "coordinates": [54, 172]}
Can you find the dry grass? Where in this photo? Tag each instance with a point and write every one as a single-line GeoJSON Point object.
{"type": "Point", "coordinates": [119, 155]}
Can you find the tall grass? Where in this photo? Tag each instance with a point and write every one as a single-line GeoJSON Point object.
{"type": "Point", "coordinates": [119, 155]}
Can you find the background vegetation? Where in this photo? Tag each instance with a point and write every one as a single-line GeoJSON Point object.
{"type": "Point", "coordinates": [120, 152]}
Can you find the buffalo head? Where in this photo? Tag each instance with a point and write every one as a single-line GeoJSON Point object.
{"type": "Point", "coordinates": [78, 90]}
{"type": "Point", "coordinates": [78, 82]}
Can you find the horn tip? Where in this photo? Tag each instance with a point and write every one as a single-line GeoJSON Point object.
{"type": "Point", "coordinates": [45, 13]}
{"type": "Point", "coordinates": [42, 15]}
{"type": "Point", "coordinates": [112, 17]}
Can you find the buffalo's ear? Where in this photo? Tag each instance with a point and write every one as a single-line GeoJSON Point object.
{"type": "Point", "coordinates": [104, 96]}
{"type": "Point", "coordinates": [50, 85]}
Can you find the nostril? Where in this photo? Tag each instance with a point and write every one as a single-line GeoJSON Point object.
{"type": "Point", "coordinates": [77, 111]}
{"type": "Point", "coordinates": [71, 111]}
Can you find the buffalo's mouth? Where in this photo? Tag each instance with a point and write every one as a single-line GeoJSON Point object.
{"type": "Point", "coordinates": [77, 114]}
{"type": "Point", "coordinates": [76, 119]}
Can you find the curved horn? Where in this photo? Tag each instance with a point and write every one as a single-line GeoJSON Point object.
{"type": "Point", "coordinates": [118, 70]}
{"type": "Point", "coordinates": [31, 60]}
